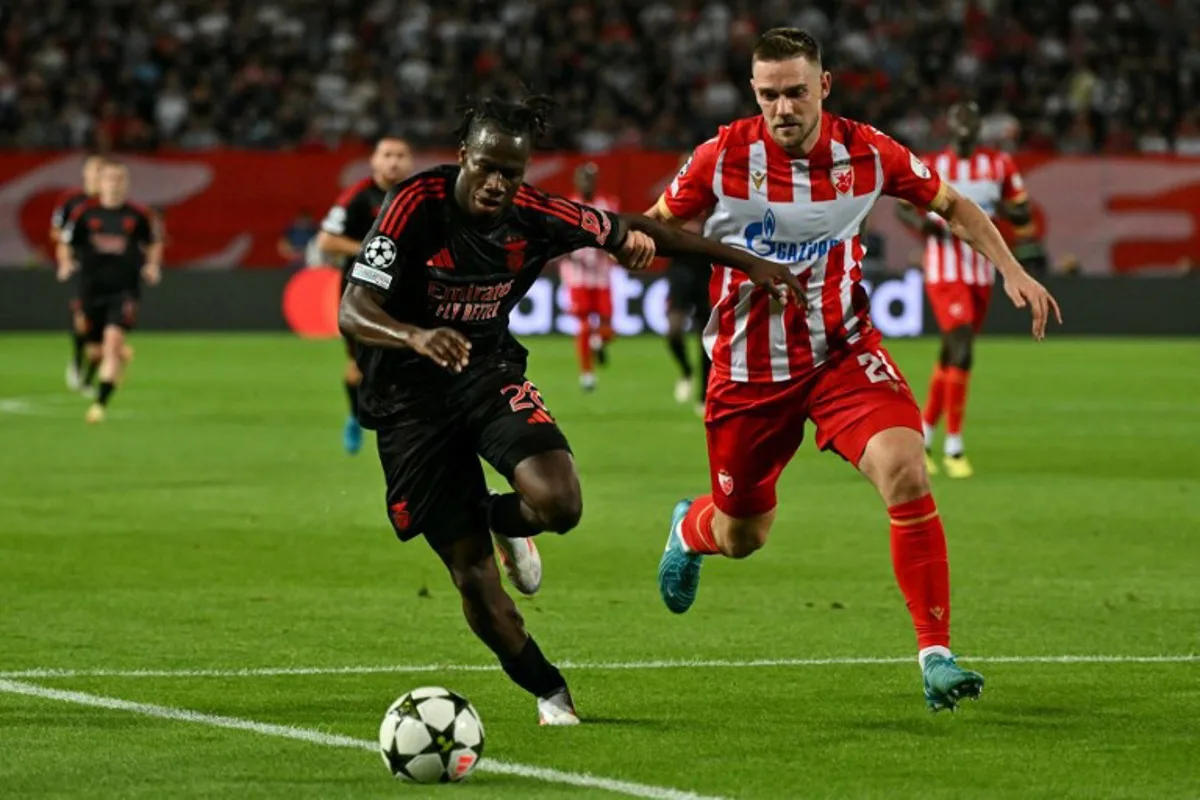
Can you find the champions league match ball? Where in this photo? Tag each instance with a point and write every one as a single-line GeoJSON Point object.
{"type": "Point", "coordinates": [431, 735]}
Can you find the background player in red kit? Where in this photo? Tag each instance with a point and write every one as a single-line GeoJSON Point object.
{"type": "Point", "coordinates": [68, 201]}
{"type": "Point", "coordinates": [795, 185]}
{"type": "Point", "coordinates": [959, 280]}
{"type": "Point", "coordinates": [587, 274]}
{"type": "Point", "coordinates": [341, 236]}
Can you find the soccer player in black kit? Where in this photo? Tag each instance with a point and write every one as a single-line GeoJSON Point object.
{"type": "Point", "coordinates": [452, 253]}
{"type": "Point", "coordinates": [341, 236]}
{"type": "Point", "coordinates": [115, 243]}
{"type": "Point", "coordinates": [688, 301]}
{"type": "Point", "coordinates": [67, 202]}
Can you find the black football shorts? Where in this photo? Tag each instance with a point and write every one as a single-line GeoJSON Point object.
{"type": "Point", "coordinates": [101, 311]}
{"type": "Point", "coordinates": [431, 452]}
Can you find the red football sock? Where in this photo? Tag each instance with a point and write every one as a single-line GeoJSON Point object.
{"type": "Point", "coordinates": [606, 331]}
{"type": "Point", "coordinates": [956, 399]}
{"type": "Point", "coordinates": [936, 399]}
{"type": "Point", "coordinates": [697, 527]}
{"type": "Point", "coordinates": [583, 346]}
{"type": "Point", "coordinates": [919, 561]}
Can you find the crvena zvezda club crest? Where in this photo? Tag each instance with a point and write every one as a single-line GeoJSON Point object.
{"type": "Point", "coordinates": [843, 179]}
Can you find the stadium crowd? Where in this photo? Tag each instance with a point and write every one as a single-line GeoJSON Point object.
{"type": "Point", "coordinates": [1072, 75]}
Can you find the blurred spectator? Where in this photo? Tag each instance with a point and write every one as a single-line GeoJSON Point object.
{"type": "Point", "coordinates": [1095, 75]}
{"type": "Point", "coordinates": [293, 244]}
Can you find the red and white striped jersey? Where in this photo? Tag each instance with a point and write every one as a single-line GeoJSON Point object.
{"type": "Point", "coordinates": [591, 268]}
{"type": "Point", "coordinates": [987, 176]}
{"type": "Point", "coordinates": [806, 212]}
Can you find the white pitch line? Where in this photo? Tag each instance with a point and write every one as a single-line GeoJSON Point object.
{"type": "Point", "coordinates": [392, 669]}
{"type": "Point", "coordinates": [577, 779]}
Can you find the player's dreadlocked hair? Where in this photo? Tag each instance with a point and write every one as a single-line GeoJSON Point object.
{"type": "Point", "coordinates": [527, 117]}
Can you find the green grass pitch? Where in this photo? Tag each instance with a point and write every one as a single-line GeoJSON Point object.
{"type": "Point", "coordinates": [214, 524]}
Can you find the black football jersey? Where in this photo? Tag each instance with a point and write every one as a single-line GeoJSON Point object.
{"type": "Point", "coordinates": [109, 245]}
{"type": "Point", "coordinates": [354, 212]}
{"type": "Point", "coordinates": [438, 266]}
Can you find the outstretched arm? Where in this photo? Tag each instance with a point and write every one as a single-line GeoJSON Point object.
{"type": "Point", "coordinates": [671, 241]}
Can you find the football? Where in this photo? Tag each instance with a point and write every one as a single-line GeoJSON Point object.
{"type": "Point", "coordinates": [431, 735]}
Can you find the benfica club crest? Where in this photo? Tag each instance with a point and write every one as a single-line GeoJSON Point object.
{"type": "Point", "coordinates": [843, 179]}
{"type": "Point", "coordinates": [725, 481]}
{"type": "Point", "coordinates": [514, 257]}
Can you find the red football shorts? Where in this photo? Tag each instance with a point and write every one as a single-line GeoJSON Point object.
{"type": "Point", "coordinates": [956, 304]}
{"type": "Point", "coordinates": [588, 300]}
{"type": "Point", "coordinates": [754, 429]}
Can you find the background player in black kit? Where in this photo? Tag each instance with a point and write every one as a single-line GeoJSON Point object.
{"type": "Point", "coordinates": [341, 236]}
{"type": "Point", "coordinates": [115, 244]}
{"type": "Point", "coordinates": [68, 201]}
{"type": "Point", "coordinates": [687, 301]}
{"type": "Point", "coordinates": [452, 253]}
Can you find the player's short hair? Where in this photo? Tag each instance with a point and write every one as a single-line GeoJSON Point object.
{"type": "Point", "coordinates": [391, 137]}
{"type": "Point", "coordinates": [784, 44]}
{"type": "Point", "coordinates": [526, 117]}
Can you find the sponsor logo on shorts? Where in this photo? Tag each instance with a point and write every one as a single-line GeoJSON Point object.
{"type": "Point", "coordinates": [725, 481]}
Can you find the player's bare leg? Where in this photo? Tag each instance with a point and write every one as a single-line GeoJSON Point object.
{"type": "Point", "coordinates": [352, 433]}
{"type": "Point", "coordinates": [494, 618]}
{"type": "Point", "coordinates": [547, 497]}
{"type": "Point", "coordinates": [699, 528]}
{"type": "Point", "coordinates": [959, 353]}
{"type": "Point", "coordinates": [677, 344]}
{"type": "Point", "coordinates": [111, 363]}
{"type": "Point", "coordinates": [894, 461]}
{"type": "Point", "coordinates": [583, 351]}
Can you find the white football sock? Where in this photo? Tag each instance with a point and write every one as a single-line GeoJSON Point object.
{"type": "Point", "coordinates": [954, 445]}
{"type": "Point", "coordinates": [929, 432]}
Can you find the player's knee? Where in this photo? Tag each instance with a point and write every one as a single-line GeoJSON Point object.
{"type": "Point", "coordinates": [959, 348]}
{"type": "Point", "coordinates": [473, 582]}
{"type": "Point", "coordinates": [562, 510]}
{"type": "Point", "coordinates": [907, 480]}
{"type": "Point", "coordinates": [550, 488]}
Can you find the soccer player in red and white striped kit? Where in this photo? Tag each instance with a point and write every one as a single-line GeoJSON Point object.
{"type": "Point", "coordinates": [587, 276]}
{"type": "Point", "coordinates": [794, 186]}
{"type": "Point", "coordinates": [958, 280]}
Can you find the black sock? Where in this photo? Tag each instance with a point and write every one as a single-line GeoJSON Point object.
{"type": "Point", "coordinates": [504, 517]}
{"type": "Point", "coordinates": [352, 394]}
{"type": "Point", "coordinates": [89, 377]}
{"type": "Point", "coordinates": [532, 672]}
{"type": "Point", "coordinates": [106, 390]}
{"type": "Point", "coordinates": [679, 352]}
{"type": "Point", "coordinates": [77, 345]}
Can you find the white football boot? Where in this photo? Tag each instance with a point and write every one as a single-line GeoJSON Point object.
{"type": "Point", "coordinates": [521, 561]}
{"type": "Point", "coordinates": [557, 709]}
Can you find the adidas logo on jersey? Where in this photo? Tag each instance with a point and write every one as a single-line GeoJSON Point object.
{"type": "Point", "coordinates": [441, 260]}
